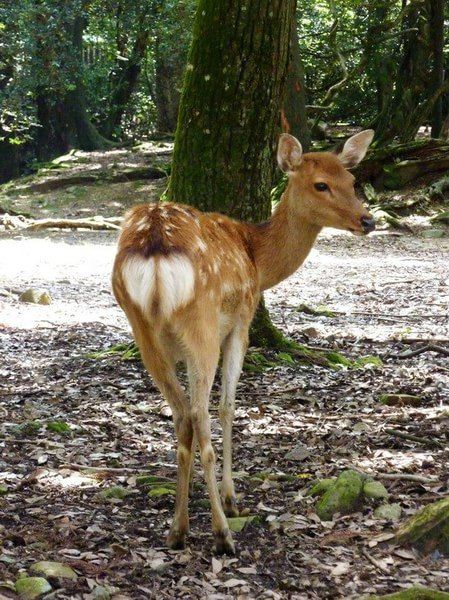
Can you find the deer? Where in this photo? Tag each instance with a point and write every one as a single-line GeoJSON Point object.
{"type": "Point", "coordinates": [189, 283]}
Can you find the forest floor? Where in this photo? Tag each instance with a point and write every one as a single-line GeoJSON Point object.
{"type": "Point", "coordinates": [294, 423]}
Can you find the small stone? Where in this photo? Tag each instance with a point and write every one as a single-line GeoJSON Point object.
{"type": "Point", "coordinates": [375, 489]}
{"type": "Point", "coordinates": [299, 452]}
{"type": "Point", "coordinates": [389, 512]}
{"type": "Point", "coordinates": [100, 593]}
{"type": "Point", "coordinates": [51, 568]}
{"type": "Point", "coordinates": [35, 296]}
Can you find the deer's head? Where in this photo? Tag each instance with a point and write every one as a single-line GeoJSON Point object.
{"type": "Point", "coordinates": [321, 189]}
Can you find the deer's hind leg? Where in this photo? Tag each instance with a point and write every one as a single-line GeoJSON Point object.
{"type": "Point", "coordinates": [234, 348]}
{"type": "Point", "coordinates": [162, 368]}
{"type": "Point", "coordinates": [203, 353]}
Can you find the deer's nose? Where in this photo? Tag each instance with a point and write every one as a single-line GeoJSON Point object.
{"type": "Point", "coordinates": [368, 224]}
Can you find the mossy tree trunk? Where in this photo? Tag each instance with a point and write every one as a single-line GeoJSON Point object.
{"type": "Point", "coordinates": [224, 157]}
{"type": "Point", "coordinates": [60, 94]}
{"type": "Point", "coordinates": [437, 38]}
{"type": "Point", "coordinates": [294, 110]}
{"type": "Point", "coordinates": [230, 106]}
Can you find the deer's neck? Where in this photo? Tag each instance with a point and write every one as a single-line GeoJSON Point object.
{"type": "Point", "coordinates": [282, 244]}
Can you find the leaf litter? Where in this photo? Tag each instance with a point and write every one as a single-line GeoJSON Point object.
{"type": "Point", "coordinates": [94, 492]}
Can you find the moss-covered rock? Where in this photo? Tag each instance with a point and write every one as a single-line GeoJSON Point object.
{"type": "Point", "coordinates": [29, 588]}
{"type": "Point", "coordinates": [321, 486]}
{"type": "Point", "coordinates": [428, 529]}
{"type": "Point", "coordinates": [389, 512]}
{"type": "Point", "coordinates": [51, 568]}
{"type": "Point", "coordinates": [116, 492]}
{"type": "Point", "coordinates": [375, 489]}
{"type": "Point", "coordinates": [341, 497]}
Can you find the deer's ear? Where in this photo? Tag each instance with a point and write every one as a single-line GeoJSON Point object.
{"type": "Point", "coordinates": [355, 148]}
{"type": "Point", "coordinates": [289, 153]}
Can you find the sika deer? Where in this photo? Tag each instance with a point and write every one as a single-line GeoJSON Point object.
{"type": "Point", "coordinates": [189, 283]}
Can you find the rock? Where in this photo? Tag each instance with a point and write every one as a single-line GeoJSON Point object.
{"type": "Point", "coordinates": [433, 233]}
{"type": "Point", "coordinates": [53, 569]}
{"type": "Point", "coordinates": [299, 452]}
{"type": "Point", "coordinates": [29, 588]}
{"type": "Point", "coordinates": [341, 497]}
{"type": "Point", "coordinates": [375, 489]}
{"type": "Point", "coordinates": [3, 489]}
{"type": "Point", "coordinates": [428, 529]}
{"type": "Point", "coordinates": [413, 593]}
{"type": "Point", "coordinates": [321, 486]}
{"type": "Point", "coordinates": [390, 512]}
{"type": "Point", "coordinates": [311, 332]}
{"type": "Point", "coordinates": [35, 296]}
{"type": "Point", "coordinates": [400, 400]}
{"type": "Point", "coordinates": [100, 593]}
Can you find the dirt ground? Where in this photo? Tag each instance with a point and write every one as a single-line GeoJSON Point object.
{"type": "Point", "coordinates": [294, 424]}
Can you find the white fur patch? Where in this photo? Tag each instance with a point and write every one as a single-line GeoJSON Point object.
{"type": "Point", "coordinates": [171, 277]}
{"type": "Point", "coordinates": [176, 282]}
{"type": "Point", "coordinates": [139, 277]}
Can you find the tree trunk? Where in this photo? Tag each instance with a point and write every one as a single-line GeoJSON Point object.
{"type": "Point", "coordinates": [125, 80]}
{"type": "Point", "coordinates": [229, 113]}
{"type": "Point", "coordinates": [437, 38]}
{"type": "Point", "coordinates": [167, 79]}
{"type": "Point", "coordinates": [294, 111]}
{"type": "Point", "coordinates": [82, 133]}
{"type": "Point", "coordinates": [414, 99]}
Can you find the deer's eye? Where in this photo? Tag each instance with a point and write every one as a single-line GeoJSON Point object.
{"type": "Point", "coordinates": [321, 186]}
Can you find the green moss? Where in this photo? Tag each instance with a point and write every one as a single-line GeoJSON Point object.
{"type": "Point", "coordinates": [428, 529]}
{"type": "Point", "coordinates": [321, 486]}
{"type": "Point", "coordinates": [60, 427]}
{"type": "Point", "coordinates": [341, 497]}
{"type": "Point", "coordinates": [413, 593]}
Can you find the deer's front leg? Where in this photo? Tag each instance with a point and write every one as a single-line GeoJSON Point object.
{"type": "Point", "coordinates": [234, 349]}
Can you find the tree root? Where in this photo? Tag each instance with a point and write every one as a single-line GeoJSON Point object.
{"type": "Point", "coordinates": [414, 438]}
{"type": "Point", "coordinates": [421, 350]}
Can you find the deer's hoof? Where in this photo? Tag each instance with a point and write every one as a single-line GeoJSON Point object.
{"type": "Point", "coordinates": [176, 540]}
{"type": "Point", "coordinates": [230, 507]}
{"type": "Point", "coordinates": [224, 543]}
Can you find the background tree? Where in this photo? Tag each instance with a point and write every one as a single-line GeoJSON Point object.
{"type": "Point", "coordinates": [230, 107]}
